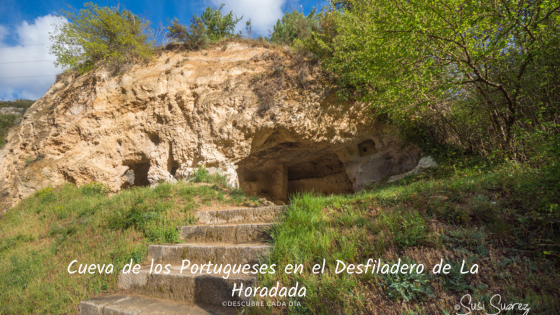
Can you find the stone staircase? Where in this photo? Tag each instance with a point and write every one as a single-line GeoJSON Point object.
{"type": "Point", "coordinates": [222, 237]}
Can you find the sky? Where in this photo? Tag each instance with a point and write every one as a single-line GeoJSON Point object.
{"type": "Point", "coordinates": [27, 69]}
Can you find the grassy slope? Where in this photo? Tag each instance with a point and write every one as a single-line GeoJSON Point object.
{"type": "Point", "coordinates": [44, 233]}
{"type": "Point", "coordinates": [506, 220]}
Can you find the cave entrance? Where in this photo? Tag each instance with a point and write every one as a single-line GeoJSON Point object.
{"type": "Point", "coordinates": [290, 168]}
{"type": "Point", "coordinates": [137, 175]}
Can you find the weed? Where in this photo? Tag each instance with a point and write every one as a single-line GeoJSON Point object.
{"type": "Point", "coordinates": [455, 280]}
{"type": "Point", "coordinates": [467, 238]}
{"type": "Point", "coordinates": [411, 286]}
{"type": "Point", "coordinates": [94, 190]}
{"type": "Point", "coordinates": [30, 160]}
{"type": "Point", "coordinates": [408, 229]}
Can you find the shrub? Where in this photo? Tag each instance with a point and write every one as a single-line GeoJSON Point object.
{"type": "Point", "coordinates": [219, 26]}
{"type": "Point", "coordinates": [294, 25]}
{"type": "Point", "coordinates": [94, 190]}
{"type": "Point", "coordinates": [211, 25]}
{"type": "Point", "coordinates": [421, 67]}
{"type": "Point", "coordinates": [411, 286]}
{"type": "Point", "coordinates": [193, 37]}
{"type": "Point", "coordinates": [6, 121]}
{"type": "Point", "coordinates": [93, 34]}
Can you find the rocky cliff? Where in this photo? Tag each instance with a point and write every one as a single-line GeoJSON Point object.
{"type": "Point", "coordinates": [263, 117]}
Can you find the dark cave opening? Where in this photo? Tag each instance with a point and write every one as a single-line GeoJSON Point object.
{"type": "Point", "coordinates": [137, 175]}
{"type": "Point", "coordinates": [290, 168]}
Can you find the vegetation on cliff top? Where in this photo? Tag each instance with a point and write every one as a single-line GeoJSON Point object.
{"type": "Point", "coordinates": [479, 76]}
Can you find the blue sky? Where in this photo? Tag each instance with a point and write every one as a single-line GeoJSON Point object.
{"type": "Point", "coordinates": [26, 68]}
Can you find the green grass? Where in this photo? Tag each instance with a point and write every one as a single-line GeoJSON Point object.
{"type": "Point", "coordinates": [505, 219]}
{"type": "Point", "coordinates": [45, 232]}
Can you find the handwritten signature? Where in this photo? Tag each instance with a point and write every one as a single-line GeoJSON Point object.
{"type": "Point", "coordinates": [496, 306]}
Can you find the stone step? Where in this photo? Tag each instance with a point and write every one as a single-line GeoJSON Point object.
{"type": "Point", "coordinates": [231, 233]}
{"type": "Point", "coordinates": [127, 304]}
{"type": "Point", "coordinates": [217, 253]}
{"type": "Point", "coordinates": [247, 215]}
{"type": "Point", "coordinates": [211, 289]}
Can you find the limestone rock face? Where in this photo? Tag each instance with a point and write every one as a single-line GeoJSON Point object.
{"type": "Point", "coordinates": [160, 121]}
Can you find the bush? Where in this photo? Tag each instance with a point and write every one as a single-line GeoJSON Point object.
{"type": "Point", "coordinates": [219, 26]}
{"type": "Point", "coordinates": [94, 190]}
{"type": "Point", "coordinates": [294, 25]}
{"type": "Point", "coordinates": [93, 34]}
{"type": "Point", "coordinates": [6, 122]}
{"type": "Point", "coordinates": [194, 37]}
{"type": "Point", "coordinates": [17, 103]}
{"type": "Point", "coordinates": [421, 67]}
{"type": "Point", "coordinates": [211, 25]}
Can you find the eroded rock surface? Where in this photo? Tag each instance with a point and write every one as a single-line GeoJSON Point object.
{"type": "Point", "coordinates": [160, 121]}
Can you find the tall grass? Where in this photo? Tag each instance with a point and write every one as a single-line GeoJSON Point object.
{"type": "Point", "coordinates": [451, 214]}
{"type": "Point", "coordinates": [45, 232]}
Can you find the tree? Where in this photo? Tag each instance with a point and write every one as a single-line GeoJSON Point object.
{"type": "Point", "coordinates": [93, 34]}
{"type": "Point", "coordinates": [219, 26]}
{"type": "Point", "coordinates": [193, 37]}
{"type": "Point", "coordinates": [473, 65]}
{"type": "Point", "coordinates": [211, 25]}
{"type": "Point", "coordinates": [294, 25]}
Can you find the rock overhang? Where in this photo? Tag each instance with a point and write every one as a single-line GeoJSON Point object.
{"type": "Point", "coordinates": [161, 121]}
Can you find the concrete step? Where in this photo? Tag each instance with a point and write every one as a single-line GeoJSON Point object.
{"type": "Point", "coordinates": [127, 304]}
{"type": "Point", "coordinates": [217, 253]}
{"type": "Point", "coordinates": [231, 233]}
{"type": "Point", "coordinates": [247, 215]}
{"type": "Point", "coordinates": [211, 289]}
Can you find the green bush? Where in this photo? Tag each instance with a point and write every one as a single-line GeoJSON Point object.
{"type": "Point", "coordinates": [422, 68]}
{"type": "Point", "coordinates": [98, 33]}
{"type": "Point", "coordinates": [193, 37]}
{"type": "Point", "coordinates": [212, 25]}
{"type": "Point", "coordinates": [21, 103]}
{"type": "Point", "coordinates": [217, 25]}
{"type": "Point", "coordinates": [94, 189]}
{"type": "Point", "coordinates": [6, 121]}
{"type": "Point", "coordinates": [294, 25]}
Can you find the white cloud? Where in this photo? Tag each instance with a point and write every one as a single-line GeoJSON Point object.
{"type": "Point", "coordinates": [24, 58]}
{"type": "Point", "coordinates": [3, 33]}
{"type": "Point", "coordinates": [263, 13]}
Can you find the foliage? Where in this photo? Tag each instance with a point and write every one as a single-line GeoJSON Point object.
{"type": "Point", "coordinates": [408, 286]}
{"type": "Point", "coordinates": [409, 229]}
{"type": "Point", "coordinates": [45, 232]}
{"type": "Point", "coordinates": [217, 25]}
{"type": "Point", "coordinates": [455, 280]}
{"type": "Point", "coordinates": [6, 121]}
{"type": "Point", "coordinates": [32, 159]}
{"type": "Point", "coordinates": [480, 75]}
{"type": "Point", "coordinates": [21, 103]}
{"type": "Point", "coordinates": [404, 220]}
{"type": "Point", "coordinates": [94, 189]}
{"type": "Point", "coordinates": [212, 25]}
{"type": "Point", "coordinates": [98, 33]}
{"type": "Point", "coordinates": [194, 37]}
{"type": "Point", "coordinates": [294, 25]}
{"type": "Point", "coordinates": [202, 175]}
